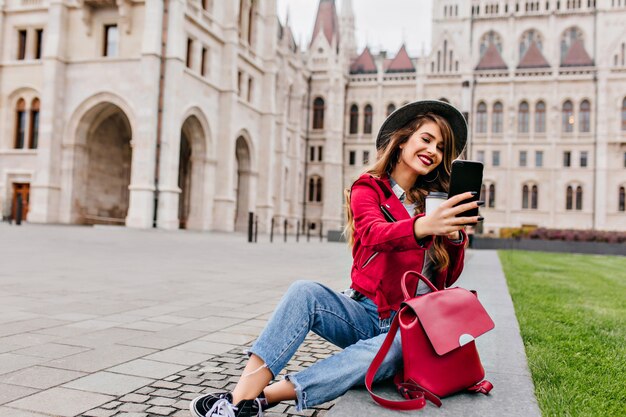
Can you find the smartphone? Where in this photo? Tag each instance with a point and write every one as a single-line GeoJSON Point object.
{"type": "Point", "coordinates": [466, 176]}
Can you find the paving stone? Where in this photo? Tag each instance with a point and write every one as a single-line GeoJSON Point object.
{"type": "Point", "coordinates": [167, 393]}
{"type": "Point", "coordinates": [133, 407]}
{"type": "Point", "coordinates": [40, 377]}
{"type": "Point", "coordinates": [135, 398]}
{"type": "Point", "coordinates": [61, 402]}
{"type": "Point", "coordinates": [162, 401]}
{"type": "Point", "coordinates": [161, 411]}
{"type": "Point", "coordinates": [179, 357]}
{"type": "Point", "coordinates": [10, 362]}
{"type": "Point", "coordinates": [13, 392]}
{"type": "Point", "coordinates": [147, 368]}
{"type": "Point", "coordinates": [181, 404]}
{"type": "Point", "coordinates": [99, 412]}
{"type": "Point", "coordinates": [51, 350]}
{"type": "Point", "coordinates": [165, 384]}
{"type": "Point", "coordinates": [108, 383]}
{"type": "Point", "coordinates": [111, 405]}
{"type": "Point", "coordinates": [98, 359]}
{"type": "Point", "coordinates": [145, 390]}
{"type": "Point", "coordinates": [14, 412]}
{"type": "Point", "coordinates": [191, 388]}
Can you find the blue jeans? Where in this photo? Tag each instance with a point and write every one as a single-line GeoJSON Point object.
{"type": "Point", "coordinates": [352, 325]}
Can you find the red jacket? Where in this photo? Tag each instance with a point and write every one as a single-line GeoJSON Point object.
{"type": "Point", "coordinates": [384, 250]}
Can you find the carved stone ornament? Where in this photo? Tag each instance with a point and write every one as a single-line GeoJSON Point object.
{"type": "Point", "coordinates": [123, 8]}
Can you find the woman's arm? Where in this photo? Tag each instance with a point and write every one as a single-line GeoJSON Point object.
{"type": "Point", "coordinates": [375, 231]}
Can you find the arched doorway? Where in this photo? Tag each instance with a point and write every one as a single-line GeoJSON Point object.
{"type": "Point", "coordinates": [191, 174]}
{"type": "Point", "coordinates": [242, 183]}
{"type": "Point", "coordinates": [102, 166]}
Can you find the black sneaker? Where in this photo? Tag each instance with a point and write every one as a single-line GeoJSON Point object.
{"type": "Point", "coordinates": [200, 406]}
{"type": "Point", "coordinates": [221, 405]}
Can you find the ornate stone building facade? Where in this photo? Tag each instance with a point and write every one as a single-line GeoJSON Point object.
{"type": "Point", "coordinates": [193, 113]}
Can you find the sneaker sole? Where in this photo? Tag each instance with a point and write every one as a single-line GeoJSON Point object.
{"type": "Point", "coordinates": [192, 407]}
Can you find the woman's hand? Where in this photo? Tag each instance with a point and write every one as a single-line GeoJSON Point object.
{"type": "Point", "coordinates": [443, 220]}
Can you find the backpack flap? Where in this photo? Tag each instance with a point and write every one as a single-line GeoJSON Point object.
{"type": "Point", "coordinates": [451, 318]}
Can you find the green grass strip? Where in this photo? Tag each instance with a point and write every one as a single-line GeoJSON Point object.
{"type": "Point", "coordinates": [572, 315]}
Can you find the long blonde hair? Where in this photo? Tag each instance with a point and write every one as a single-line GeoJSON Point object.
{"type": "Point", "coordinates": [437, 180]}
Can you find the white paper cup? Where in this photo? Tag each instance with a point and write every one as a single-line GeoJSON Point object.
{"type": "Point", "coordinates": [434, 200]}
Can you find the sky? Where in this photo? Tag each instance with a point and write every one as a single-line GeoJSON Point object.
{"type": "Point", "coordinates": [380, 24]}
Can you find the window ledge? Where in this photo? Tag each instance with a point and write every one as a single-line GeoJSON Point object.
{"type": "Point", "coordinates": [18, 151]}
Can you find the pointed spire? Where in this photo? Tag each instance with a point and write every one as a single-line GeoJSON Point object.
{"type": "Point", "coordinates": [364, 64]}
{"type": "Point", "coordinates": [402, 62]}
{"type": "Point", "coordinates": [491, 60]}
{"type": "Point", "coordinates": [326, 21]}
{"type": "Point", "coordinates": [577, 56]}
{"type": "Point", "coordinates": [533, 58]}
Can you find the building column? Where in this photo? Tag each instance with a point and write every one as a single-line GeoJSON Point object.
{"type": "Point", "coordinates": [225, 200]}
{"type": "Point", "coordinates": [46, 187]}
{"type": "Point", "coordinates": [141, 199]}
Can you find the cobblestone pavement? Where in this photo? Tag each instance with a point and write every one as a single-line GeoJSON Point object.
{"type": "Point", "coordinates": [171, 395]}
{"type": "Point", "coordinates": [114, 321]}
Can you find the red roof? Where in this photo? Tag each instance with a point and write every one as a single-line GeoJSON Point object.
{"type": "Point", "coordinates": [577, 56]}
{"type": "Point", "coordinates": [326, 21]}
{"type": "Point", "coordinates": [401, 63]}
{"type": "Point", "coordinates": [491, 60]}
{"type": "Point", "coordinates": [364, 64]}
{"type": "Point", "coordinates": [533, 58]}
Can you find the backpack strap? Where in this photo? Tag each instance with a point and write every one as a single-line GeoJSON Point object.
{"type": "Point", "coordinates": [482, 387]}
{"type": "Point", "coordinates": [417, 398]}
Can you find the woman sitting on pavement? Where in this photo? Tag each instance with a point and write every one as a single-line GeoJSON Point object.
{"type": "Point", "coordinates": [389, 235]}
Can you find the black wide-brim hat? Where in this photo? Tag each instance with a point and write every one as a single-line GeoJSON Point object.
{"type": "Point", "coordinates": [410, 111]}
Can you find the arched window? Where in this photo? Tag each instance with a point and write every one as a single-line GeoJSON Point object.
{"type": "Point", "coordinates": [251, 24]}
{"type": "Point", "coordinates": [242, 4]}
{"type": "Point", "coordinates": [492, 196]}
{"type": "Point", "coordinates": [318, 194]}
{"type": "Point", "coordinates": [20, 123]}
{"type": "Point", "coordinates": [483, 192]}
{"type": "Point", "coordinates": [528, 38]}
{"type": "Point", "coordinates": [567, 117]}
{"type": "Point", "coordinates": [585, 117]}
{"type": "Point", "coordinates": [489, 38]}
{"type": "Point", "coordinates": [318, 113]}
{"type": "Point", "coordinates": [624, 114]}
{"type": "Point", "coordinates": [311, 189]}
{"type": "Point", "coordinates": [391, 108]}
{"type": "Point", "coordinates": [525, 197]}
{"type": "Point", "coordinates": [481, 117]}
{"type": "Point", "coordinates": [579, 198]}
{"type": "Point", "coordinates": [522, 117]}
{"type": "Point", "coordinates": [315, 189]}
{"type": "Point", "coordinates": [497, 118]}
{"type": "Point", "coordinates": [622, 199]}
{"type": "Point", "coordinates": [354, 118]}
{"type": "Point", "coordinates": [540, 117]}
{"type": "Point", "coordinates": [569, 196]}
{"type": "Point", "coordinates": [568, 38]}
{"type": "Point", "coordinates": [534, 197]}
{"type": "Point", "coordinates": [367, 119]}
{"type": "Point", "coordinates": [33, 137]}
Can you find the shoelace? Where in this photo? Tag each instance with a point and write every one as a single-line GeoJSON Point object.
{"type": "Point", "coordinates": [224, 408]}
